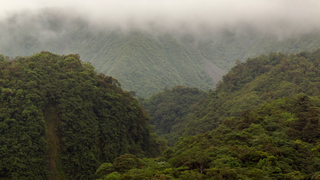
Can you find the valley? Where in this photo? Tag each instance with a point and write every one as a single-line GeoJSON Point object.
{"type": "Point", "coordinates": [161, 90]}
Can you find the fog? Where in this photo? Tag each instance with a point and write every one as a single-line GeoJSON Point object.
{"type": "Point", "coordinates": [279, 17]}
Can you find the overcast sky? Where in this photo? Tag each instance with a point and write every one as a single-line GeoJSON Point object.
{"type": "Point", "coordinates": [281, 16]}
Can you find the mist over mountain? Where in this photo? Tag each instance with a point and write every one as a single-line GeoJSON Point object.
{"type": "Point", "coordinates": [149, 45]}
{"type": "Point", "coordinates": [278, 17]}
{"type": "Point", "coordinates": [78, 116]}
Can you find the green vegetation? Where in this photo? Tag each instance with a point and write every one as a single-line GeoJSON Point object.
{"type": "Point", "coordinates": [279, 140]}
{"type": "Point", "coordinates": [169, 109]}
{"type": "Point", "coordinates": [60, 120]}
{"type": "Point", "coordinates": [250, 84]}
{"type": "Point", "coordinates": [262, 122]}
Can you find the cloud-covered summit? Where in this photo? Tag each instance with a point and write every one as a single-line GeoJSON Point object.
{"type": "Point", "coordinates": [280, 17]}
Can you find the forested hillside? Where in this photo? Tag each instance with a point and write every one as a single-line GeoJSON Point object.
{"type": "Point", "coordinates": [168, 109]}
{"type": "Point", "coordinates": [164, 90]}
{"type": "Point", "coordinates": [146, 62]}
{"type": "Point", "coordinates": [279, 140]}
{"type": "Point", "coordinates": [142, 62]}
{"type": "Point", "coordinates": [61, 120]}
{"type": "Point", "coordinates": [249, 84]}
{"type": "Point", "coordinates": [262, 122]}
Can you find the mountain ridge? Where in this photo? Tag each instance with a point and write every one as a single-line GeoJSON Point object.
{"type": "Point", "coordinates": [177, 58]}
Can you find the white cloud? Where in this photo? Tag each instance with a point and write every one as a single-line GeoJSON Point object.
{"type": "Point", "coordinates": [276, 16]}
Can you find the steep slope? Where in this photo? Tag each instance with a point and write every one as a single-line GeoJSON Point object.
{"type": "Point", "coordinates": [60, 120]}
{"type": "Point", "coordinates": [146, 62]}
{"type": "Point", "coordinates": [248, 85]}
{"type": "Point", "coordinates": [224, 48]}
{"type": "Point", "coordinates": [212, 70]}
{"type": "Point", "coordinates": [169, 109]}
{"type": "Point", "coordinates": [142, 62]}
{"type": "Point", "coordinates": [251, 83]}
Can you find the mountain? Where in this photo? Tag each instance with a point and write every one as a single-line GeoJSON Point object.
{"type": "Point", "coordinates": [250, 84]}
{"type": "Point", "coordinates": [262, 122]}
{"type": "Point", "coordinates": [146, 62]}
{"type": "Point", "coordinates": [224, 48]}
{"type": "Point", "coordinates": [61, 120]}
{"type": "Point", "coordinates": [142, 62]}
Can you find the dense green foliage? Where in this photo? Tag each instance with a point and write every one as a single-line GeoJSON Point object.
{"type": "Point", "coordinates": [168, 109]}
{"type": "Point", "coordinates": [262, 122]}
{"type": "Point", "coordinates": [248, 85]}
{"type": "Point", "coordinates": [279, 140]}
{"type": "Point", "coordinates": [60, 120]}
{"type": "Point", "coordinates": [251, 83]}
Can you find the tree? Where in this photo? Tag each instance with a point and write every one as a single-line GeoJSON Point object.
{"type": "Point", "coordinates": [104, 169]}
{"type": "Point", "coordinates": [126, 162]}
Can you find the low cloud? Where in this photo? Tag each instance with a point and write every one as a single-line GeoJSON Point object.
{"type": "Point", "coordinates": [279, 17]}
